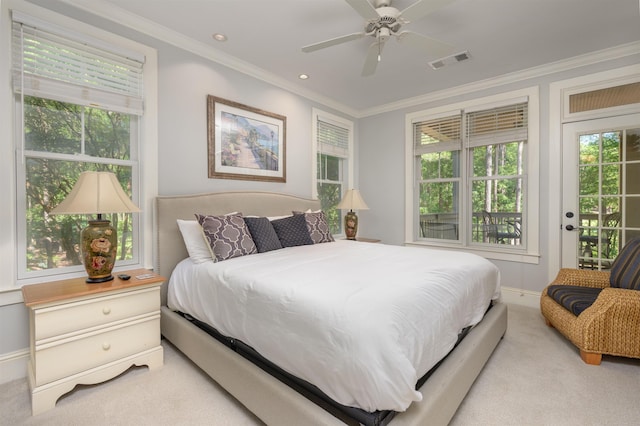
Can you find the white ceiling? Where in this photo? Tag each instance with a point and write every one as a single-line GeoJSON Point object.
{"type": "Point", "coordinates": [266, 36]}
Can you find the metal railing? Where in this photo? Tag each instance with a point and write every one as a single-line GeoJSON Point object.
{"type": "Point", "coordinates": [444, 226]}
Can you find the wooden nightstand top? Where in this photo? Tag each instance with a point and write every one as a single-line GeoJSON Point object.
{"type": "Point", "coordinates": [366, 240]}
{"type": "Point", "coordinates": [54, 291]}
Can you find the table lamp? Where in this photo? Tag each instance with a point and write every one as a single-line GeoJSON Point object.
{"type": "Point", "coordinates": [97, 193]}
{"type": "Point", "coordinates": [352, 201]}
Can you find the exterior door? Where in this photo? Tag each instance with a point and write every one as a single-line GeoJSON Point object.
{"type": "Point", "coordinates": [601, 189]}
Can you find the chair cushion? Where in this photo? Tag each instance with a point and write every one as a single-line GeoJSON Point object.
{"type": "Point", "coordinates": [625, 271]}
{"type": "Point", "coordinates": [572, 297]}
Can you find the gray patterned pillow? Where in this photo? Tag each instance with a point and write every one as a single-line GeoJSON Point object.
{"type": "Point", "coordinates": [227, 236]}
{"type": "Point", "coordinates": [263, 234]}
{"type": "Point", "coordinates": [292, 231]}
{"type": "Point", "coordinates": [318, 226]}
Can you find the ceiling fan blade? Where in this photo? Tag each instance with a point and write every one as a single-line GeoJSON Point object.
{"type": "Point", "coordinates": [429, 45]}
{"type": "Point", "coordinates": [422, 8]}
{"type": "Point", "coordinates": [365, 9]}
{"type": "Point", "coordinates": [332, 42]}
{"type": "Point", "coordinates": [371, 61]}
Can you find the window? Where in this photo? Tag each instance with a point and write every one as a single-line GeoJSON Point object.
{"type": "Point", "coordinates": [79, 104]}
{"type": "Point", "coordinates": [333, 140]}
{"type": "Point", "coordinates": [496, 139]}
{"type": "Point", "coordinates": [471, 166]}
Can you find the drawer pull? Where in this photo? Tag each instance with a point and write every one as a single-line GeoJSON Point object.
{"type": "Point", "coordinates": [106, 310]}
{"type": "Point", "coordinates": [106, 346]}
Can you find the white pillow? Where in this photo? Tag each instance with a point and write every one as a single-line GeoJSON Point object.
{"type": "Point", "coordinates": [194, 240]}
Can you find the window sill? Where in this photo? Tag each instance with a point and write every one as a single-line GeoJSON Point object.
{"type": "Point", "coordinates": [10, 296]}
{"type": "Point", "coordinates": [508, 256]}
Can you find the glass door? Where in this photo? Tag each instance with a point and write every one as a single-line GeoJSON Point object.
{"type": "Point", "coordinates": [601, 190]}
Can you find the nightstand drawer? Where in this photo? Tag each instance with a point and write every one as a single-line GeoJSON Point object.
{"type": "Point", "coordinates": [78, 316]}
{"type": "Point", "coordinates": [77, 354]}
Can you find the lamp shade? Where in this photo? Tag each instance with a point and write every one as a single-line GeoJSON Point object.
{"type": "Point", "coordinates": [352, 200]}
{"type": "Point", "coordinates": [96, 193]}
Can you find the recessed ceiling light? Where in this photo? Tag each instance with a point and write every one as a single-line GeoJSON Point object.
{"type": "Point", "coordinates": [219, 37]}
{"type": "Point", "coordinates": [303, 76]}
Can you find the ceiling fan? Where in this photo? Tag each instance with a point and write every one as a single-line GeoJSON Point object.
{"type": "Point", "coordinates": [384, 21]}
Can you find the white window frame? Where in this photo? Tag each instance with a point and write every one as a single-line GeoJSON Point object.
{"type": "Point", "coordinates": [147, 160]}
{"type": "Point", "coordinates": [348, 177]}
{"type": "Point", "coordinates": [528, 254]}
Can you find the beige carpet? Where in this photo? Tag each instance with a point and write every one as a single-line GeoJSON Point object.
{"type": "Point", "coordinates": [535, 377]}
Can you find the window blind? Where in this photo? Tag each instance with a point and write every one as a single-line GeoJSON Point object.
{"type": "Point", "coordinates": [440, 134]}
{"type": "Point", "coordinates": [49, 65]}
{"type": "Point", "coordinates": [332, 139]}
{"type": "Point", "coordinates": [498, 125]}
{"type": "Point", "coordinates": [626, 94]}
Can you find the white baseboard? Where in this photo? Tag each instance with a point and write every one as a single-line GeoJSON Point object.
{"type": "Point", "coordinates": [518, 296]}
{"type": "Point", "coordinates": [13, 365]}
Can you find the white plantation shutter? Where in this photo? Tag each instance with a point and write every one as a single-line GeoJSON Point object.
{"type": "Point", "coordinates": [52, 63]}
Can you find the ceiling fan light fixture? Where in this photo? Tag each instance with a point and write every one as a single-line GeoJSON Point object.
{"type": "Point", "coordinates": [383, 21]}
{"type": "Point", "coordinates": [383, 34]}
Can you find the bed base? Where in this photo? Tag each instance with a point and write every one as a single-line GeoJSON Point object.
{"type": "Point", "coordinates": [268, 398]}
{"type": "Point", "coordinates": [275, 403]}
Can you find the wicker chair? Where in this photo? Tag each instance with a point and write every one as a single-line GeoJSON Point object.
{"type": "Point", "coordinates": [611, 324]}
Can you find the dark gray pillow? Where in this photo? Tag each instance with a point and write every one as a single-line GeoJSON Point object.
{"type": "Point", "coordinates": [263, 234]}
{"type": "Point", "coordinates": [292, 231]}
{"type": "Point", "coordinates": [227, 236]}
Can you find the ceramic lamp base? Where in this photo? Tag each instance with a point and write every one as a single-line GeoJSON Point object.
{"type": "Point", "coordinates": [99, 280]}
{"type": "Point", "coordinates": [99, 248]}
{"type": "Point", "coordinates": [351, 225]}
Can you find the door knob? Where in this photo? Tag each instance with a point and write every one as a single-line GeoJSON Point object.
{"type": "Point", "coordinates": [569, 227]}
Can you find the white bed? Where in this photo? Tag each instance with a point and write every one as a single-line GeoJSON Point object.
{"type": "Point", "coordinates": [255, 322]}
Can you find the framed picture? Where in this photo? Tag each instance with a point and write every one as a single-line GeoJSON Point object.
{"type": "Point", "coordinates": [245, 143]}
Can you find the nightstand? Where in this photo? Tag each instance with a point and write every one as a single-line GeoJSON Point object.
{"type": "Point", "coordinates": [88, 333]}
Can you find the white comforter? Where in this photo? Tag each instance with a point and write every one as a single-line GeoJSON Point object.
{"type": "Point", "coordinates": [360, 321]}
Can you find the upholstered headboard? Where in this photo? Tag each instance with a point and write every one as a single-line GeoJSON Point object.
{"type": "Point", "coordinates": [170, 248]}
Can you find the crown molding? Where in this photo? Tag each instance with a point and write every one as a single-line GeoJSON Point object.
{"type": "Point", "coordinates": [118, 15]}
{"type": "Point", "coordinates": [591, 58]}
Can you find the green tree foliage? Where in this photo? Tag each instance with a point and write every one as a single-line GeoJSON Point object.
{"type": "Point", "coordinates": [330, 189]}
{"type": "Point", "coordinates": [496, 183]}
{"type": "Point", "coordinates": [599, 170]}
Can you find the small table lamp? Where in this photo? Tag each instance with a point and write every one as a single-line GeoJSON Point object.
{"type": "Point", "coordinates": [352, 201]}
{"type": "Point", "coordinates": [97, 193]}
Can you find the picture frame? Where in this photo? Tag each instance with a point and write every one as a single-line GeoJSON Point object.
{"type": "Point", "coordinates": [244, 142]}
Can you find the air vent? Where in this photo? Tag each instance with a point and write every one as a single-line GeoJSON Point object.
{"type": "Point", "coordinates": [458, 57]}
